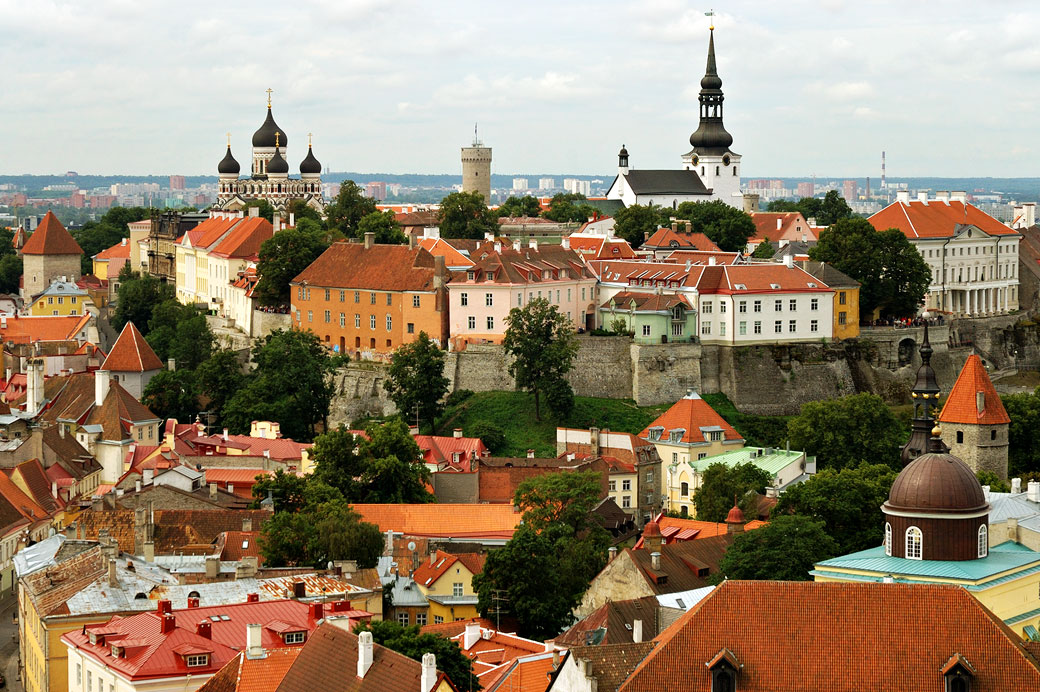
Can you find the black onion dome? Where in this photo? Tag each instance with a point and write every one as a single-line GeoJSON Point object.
{"type": "Point", "coordinates": [266, 135]}
{"type": "Point", "coordinates": [277, 164]}
{"type": "Point", "coordinates": [310, 164]}
{"type": "Point", "coordinates": [623, 152]}
{"type": "Point", "coordinates": [711, 137]}
{"type": "Point", "coordinates": [228, 165]}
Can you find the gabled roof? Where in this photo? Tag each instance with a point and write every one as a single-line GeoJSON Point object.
{"type": "Point", "coordinates": [244, 240]}
{"type": "Point", "coordinates": [612, 663]}
{"type": "Point", "coordinates": [851, 627]}
{"type": "Point", "coordinates": [43, 328]}
{"type": "Point", "coordinates": [684, 566]}
{"type": "Point", "coordinates": [649, 274]}
{"type": "Point", "coordinates": [51, 238]}
{"type": "Point", "coordinates": [243, 674]}
{"type": "Point", "coordinates": [962, 405]}
{"type": "Point", "coordinates": [440, 562]}
{"type": "Point", "coordinates": [667, 238]}
{"type": "Point", "coordinates": [442, 248]}
{"type": "Point", "coordinates": [936, 219]}
{"type": "Point", "coordinates": [691, 414]}
{"type": "Point", "coordinates": [703, 257]}
{"type": "Point", "coordinates": [646, 302]}
{"type": "Point", "coordinates": [379, 268]}
{"type": "Point", "coordinates": [829, 275]}
{"type": "Point", "coordinates": [792, 226]}
{"type": "Point", "coordinates": [651, 182]}
{"type": "Point", "coordinates": [676, 529]}
{"type": "Point", "coordinates": [760, 277]}
{"type": "Point", "coordinates": [131, 353]}
{"type": "Point", "coordinates": [120, 250]}
{"type": "Point", "coordinates": [601, 247]}
{"type": "Point", "coordinates": [443, 520]}
{"type": "Point", "coordinates": [437, 449]}
{"type": "Point", "coordinates": [117, 413]}
{"type": "Point", "coordinates": [526, 265]}
{"type": "Point", "coordinates": [612, 623]}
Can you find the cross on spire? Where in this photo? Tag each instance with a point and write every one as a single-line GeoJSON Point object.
{"type": "Point", "coordinates": [276, 136]}
{"type": "Point", "coordinates": [229, 140]}
{"type": "Point", "coordinates": [309, 136]}
{"type": "Point", "coordinates": [711, 18]}
{"type": "Point", "coordinates": [269, 91]}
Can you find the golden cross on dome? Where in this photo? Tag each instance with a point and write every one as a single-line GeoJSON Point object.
{"type": "Point", "coordinates": [276, 136]}
{"type": "Point", "coordinates": [709, 13]}
{"type": "Point", "coordinates": [229, 140]}
{"type": "Point", "coordinates": [309, 136]}
{"type": "Point", "coordinates": [269, 90]}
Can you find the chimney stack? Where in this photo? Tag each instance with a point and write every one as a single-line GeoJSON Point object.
{"type": "Point", "coordinates": [429, 673]}
{"type": "Point", "coordinates": [212, 567]}
{"type": "Point", "coordinates": [101, 385]}
{"type": "Point", "coordinates": [655, 561]}
{"type": "Point", "coordinates": [903, 196]}
{"type": "Point", "coordinates": [364, 661]}
{"type": "Point", "coordinates": [370, 240]}
{"type": "Point", "coordinates": [247, 524]}
{"type": "Point", "coordinates": [277, 223]}
{"type": "Point", "coordinates": [611, 553]}
{"type": "Point", "coordinates": [471, 636]}
{"type": "Point", "coordinates": [112, 579]}
{"type": "Point", "coordinates": [594, 441]}
{"type": "Point", "coordinates": [637, 631]}
{"type": "Point", "coordinates": [1016, 485]}
{"type": "Point", "coordinates": [1033, 491]}
{"type": "Point", "coordinates": [530, 454]}
{"type": "Point", "coordinates": [254, 647]}
{"type": "Point", "coordinates": [456, 433]}
{"type": "Point", "coordinates": [204, 629]}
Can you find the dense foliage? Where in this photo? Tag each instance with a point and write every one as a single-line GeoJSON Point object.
{"type": "Point", "coordinates": [138, 297]}
{"type": "Point", "coordinates": [848, 431]}
{"type": "Point", "coordinates": [284, 256]}
{"type": "Point", "coordinates": [344, 214]}
{"type": "Point", "coordinates": [110, 229]}
{"type": "Point", "coordinates": [785, 549]}
{"type": "Point", "coordinates": [635, 223]}
{"type": "Point", "coordinates": [466, 215]}
{"type": "Point", "coordinates": [520, 206]}
{"type": "Point", "coordinates": [827, 210]}
{"type": "Point", "coordinates": [541, 341]}
{"type": "Point", "coordinates": [384, 228]}
{"type": "Point", "coordinates": [567, 207]}
{"type": "Point", "coordinates": [726, 226]}
{"type": "Point", "coordinates": [415, 380]}
{"type": "Point", "coordinates": [722, 485]}
{"type": "Point", "coordinates": [1023, 432]}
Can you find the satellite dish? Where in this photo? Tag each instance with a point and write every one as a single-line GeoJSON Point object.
{"type": "Point", "coordinates": [411, 545]}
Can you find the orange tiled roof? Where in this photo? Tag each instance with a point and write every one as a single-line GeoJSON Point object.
{"type": "Point", "coordinates": [441, 248]}
{"type": "Point", "coordinates": [131, 353]}
{"type": "Point", "coordinates": [243, 674]}
{"type": "Point", "coordinates": [647, 301]}
{"type": "Point", "coordinates": [440, 562]}
{"type": "Point", "coordinates": [853, 627]}
{"type": "Point", "coordinates": [23, 330]}
{"type": "Point", "coordinates": [666, 237]}
{"type": "Point", "coordinates": [120, 250]}
{"type": "Point", "coordinates": [674, 529]}
{"type": "Point", "coordinates": [245, 239]}
{"type": "Point", "coordinates": [962, 404]}
{"type": "Point", "coordinates": [380, 268]}
{"type": "Point", "coordinates": [691, 413]}
{"type": "Point", "coordinates": [763, 277]}
{"type": "Point", "coordinates": [51, 238]}
{"type": "Point", "coordinates": [935, 219]}
{"type": "Point", "coordinates": [459, 520]}
{"type": "Point", "coordinates": [601, 247]}
{"type": "Point", "coordinates": [792, 227]}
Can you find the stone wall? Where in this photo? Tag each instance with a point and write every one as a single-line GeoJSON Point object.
{"type": "Point", "coordinates": [266, 322]}
{"type": "Point", "coordinates": [663, 373]}
{"type": "Point", "coordinates": [601, 368]}
{"type": "Point", "coordinates": [359, 393]}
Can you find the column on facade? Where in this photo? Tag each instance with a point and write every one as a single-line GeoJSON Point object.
{"type": "Point", "coordinates": [970, 302]}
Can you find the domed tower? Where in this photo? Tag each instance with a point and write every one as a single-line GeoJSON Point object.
{"type": "Point", "coordinates": [711, 158]}
{"type": "Point", "coordinates": [735, 519]}
{"type": "Point", "coordinates": [925, 396]}
{"type": "Point", "coordinates": [310, 167]}
{"type": "Point", "coordinates": [622, 161]}
{"type": "Point", "coordinates": [936, 509]}
{"type": "Point", "coordinates": [264, 142]}
{"type": "Point", "coordinates": [228, 170]}
{"type": "Point", "coordinates": [277, 166]}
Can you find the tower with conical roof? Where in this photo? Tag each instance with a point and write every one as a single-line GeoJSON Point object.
{"type": "Point", "coordinates": [925, 397]}
{"type": "Point", "coordinates": [974, 421]}
{"type": "Point", "coordinates": [50, 253]}
{"type": "Point", "coordinates": [711, 158]}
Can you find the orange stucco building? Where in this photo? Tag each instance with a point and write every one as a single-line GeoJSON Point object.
{"type": "Point", "coordinates": [368, 299]}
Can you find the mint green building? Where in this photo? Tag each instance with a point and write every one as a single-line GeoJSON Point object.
{"type": "Point", "coordinates": [653, 318]}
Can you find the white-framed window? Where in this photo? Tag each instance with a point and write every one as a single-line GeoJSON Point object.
{"type": "Point", "coordinates": [342, 320]}
{"type": "Point", "coordinates": [814, 325]}
{"type": "Point", "coordinates": [646, 330]}
{"type": "Point", "coordinates": [416, 302]}
{"type": "Point", "coordinates": [792, 326]}
{"type": "Point", "coordinates": [888, 539]}
{"type": "Point", "coordinates": [814, 304]}
{"type": "Point", "coordinates": [778, 326]}
{"type": "Point", "coordinates": [742, 306]}
{"type": "Point", "coordinates": [371, 321]}
{"type": "Point", "coordinates": [778, 305]}
{"type": "Point", "coordinates": [438, 619]}
{"type": "Point", "coordinates": [626, 484]}
{"type": "Point", "coordinates": [792, 305]}
{"type": "Point", "coordinates": [357, 321]}
{"type": "Point", "coordinates": [328, 316]}
{"type": "Point", "coordinates": [742, 328]}
{"type": "Point", "coordinates": [914, 543]}
{"type": "Point", "coordinates": [197, 661]}
{"type": "Point", "coordinates": [983, 541]}
{"type": "Point", "coordinates": [471, 322]}
{"type": "Point", "coordinates": [402, 617]}
{"type": "Point", "coordinates": [389, 323]}
{"type": "Point", "coordinates": [758, 326]}
{"type": "Point", "coordinates": [420, 619]}
{"type": "Point", "coordinates": [722, 307]}
{"type": "Point", "coordinates": [489, 299]}
{"type": "Point", "coordinates": [626, 501]}
{"type": "Point", "coordinates": [490, 323]}
{"type": "Point", "coordinates": [456, 589]}
{"type": "Point", "coordinates": [706, 328]}
{"type": "Point", "coordinates": [294, 637]}
{"type": "Point", "coordinates": [464, 299]}
{"type": "Point", "coordinates": [706, 307]}
{"type": "Point", "coordinates": [758, 306]}
{"type": "Point", "coordinates": [612, 486]}
{"type": "Point", "coordinates": [722, 329]}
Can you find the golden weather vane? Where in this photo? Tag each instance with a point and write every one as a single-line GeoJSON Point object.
{"type": "Point", "coordinates": [710, 13]}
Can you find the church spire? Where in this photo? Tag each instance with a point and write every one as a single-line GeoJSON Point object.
{"type": "Point", "coordinates": [711, 136]}
{"type": "Point", "coordinates": [925, 397]}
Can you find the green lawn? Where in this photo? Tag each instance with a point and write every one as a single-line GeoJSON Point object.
{"type": "Point", "coordinates": [514, 413]}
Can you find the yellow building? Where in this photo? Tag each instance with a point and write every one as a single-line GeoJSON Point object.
{"type": "Point", "coordinates": [447, 583]}
{"type": "Point", "coordinates": [109, 262]}
{"type": "Point", "coordinates": [209, 257]}
{"type": "Point", "coordinates": [63, 298]}
{"type": "Point", "coordinates": [846, 297]}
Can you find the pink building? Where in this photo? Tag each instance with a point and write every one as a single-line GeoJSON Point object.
{"type": "Point", "coordinates": [508, 276]}
{"type": "Point", "coordinates": [806, 189]}
{"type": "Point", "coordinates": [176, 182]}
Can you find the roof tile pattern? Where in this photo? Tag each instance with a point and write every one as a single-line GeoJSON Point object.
{"type": "Point", "coordinates": [830, 636]}
{"type": "Point", "coordinates": [962, 405]}
{"type": "Point", "coordinates": [443, 520]}
{"type": "Point", "coordinates": [936, 219]}
{"type": "Point", "coordinates": [51, 238]}
{"type": "Point", "coordinates": [690, 414]}
{"type": "Point", "coordinates": [378, 268]}
{"type": "Point", "coordinates": [131, 353]}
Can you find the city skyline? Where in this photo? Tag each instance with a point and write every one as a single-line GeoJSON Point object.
{"type": "Point", "coordinates": [807, 88]}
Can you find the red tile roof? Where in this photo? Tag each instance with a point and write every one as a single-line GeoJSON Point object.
{"type": "Point", "coordinates": [935, 219]}
{"type": "Point", "coordinates": [666, 238]}
{"type": "Point", "coordinates": [443, 520]}
{"type": "Point", "coordinates": [601, 247]}
{"type": "Point", "coordinates": [647, 274]}
{"type": "Point", "coordinates": [440, 562]}
{"type": "Point", "coordinates": [691, 413]}
{"type": "Point", "coordinates": [131, 353]}
{"type": "Point", "coordinates": [439, 247]}
{"type": "Point", "coordinates": [675, 530]}
{"type": "Point", "coordinates": [543, 263]}
{"type": "Point", "coordinates": [244, 240]}
{"type": "Point", "coordinates": [962, 404]}
{"type": "Point", "coordinates": [792, 227]}
{"type": "Point", "coordinates": [51, 238]}
{"type": "Point", "coordinates": [765, 277]}
{"type": "Point", "coordinates": [702, 257]}
{"type": "Point", "coordinates": [23, 330]}
{"type": "Point", "coordinates": [120, 250]}
{"type": "Point", "coordinates": [839, 637]}
{"type": "Point", "coordinates": [379, 268]}
{"type": "Point", "coordinates": [442, 450]}
{"type": "Point", "coordinates": [626, 300]}
{"type": "Point", "coordinates": [152, 653]}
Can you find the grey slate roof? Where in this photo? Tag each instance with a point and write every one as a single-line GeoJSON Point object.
{"type": "Point", "coordinates": [648, 182]}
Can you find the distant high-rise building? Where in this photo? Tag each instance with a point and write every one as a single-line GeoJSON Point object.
{"type": "Point", "coordinates": [546, 184]}
{"type": "Point", "coordinates": [176, 182]}
{"type": "Point", "coordinates": [476, 168]}
{"type": "Point", "coordinates": [849, 190]}
{"type": "Point", "coordinates": [577, 187]}
{"type": "Point", "coordinates": [806, 189]}
{"type": "Point", "coordinates": [375, 190]}
{"type": "Point", "coordinates": [520, 184]}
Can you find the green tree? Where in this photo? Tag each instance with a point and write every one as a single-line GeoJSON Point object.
{"type": "Point", "coordinates": [541, 341]}
{"type": "Point", "coordinates": [394, 470]}
{"type": "Point", "coordinates": [138, 296]}
{"type": "Point", "coordinates": [172, 395]}
{"type": "Point", "coordinates": [219, 378]}
{"type": "Point", "coordinates": [285, 539]}
{"type": "Point", "coordinates": [847, 501]}
{"type": "Point", "coordinates": [996, 483]}
{"type": "Point", "coordinates": [783, 550]}
{"type": "Point", "coordinates": [451, 660]}
{"type": "Point", "coordinates": [10, 273]}
{"type": "Point", "coordinates": [764, 250]}
{"type": "Point", "coordinates": [547, 566]}
{"type": "Point", "coordinates": [291, 384]}
{"type": "Point", "coordinates": [385, 227]}
{"type": "Point", "coordinates": [726, 226]}
{"type": "Point", "coordinates": [834, 208]}
{"type": "Point", "coordinates": [181, 332]}
{"type": "Point", "coordinates": [567, 207]}
{"type": "Point", "coordinates": [492, 435]}
{"type": "Point", "coordinates": [782, 205]}
{"type": "Point", "coordinates": [466, 215]}
{"type": "Point", "coordinates": [299, 210]}
{"type": "Point", "coordinates": [284, 256]}
{"type": "Point", "coordinates": [415, 379]}
{"type": "Point", "coordinates": [848, 431]}
{"type": "Point", "coordinates": [266, 210]}
{"type": "Point", "coordinates": [893, 275]}
{"type": "Point", "coordinates": [722, 484]}
{"type": "Point", "coordinates": [1023, 432]}
{"type": "Point", "coordinates": [340, 534]}
{"type": "Point", "coordinates": [520, 206]}
{"type": "Point", "coordinates": [338, 461]}
{"type": "Point", "coordinates": [635, 223]}
{"type": "Point", "coordinates": [110, 229]}
{"type": "Point", "coordinates": [350, 206]}
{"type": "Point", "coordinates": [287, 490]}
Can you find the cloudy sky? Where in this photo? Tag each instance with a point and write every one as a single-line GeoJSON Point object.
{"type": "Point", "coordinates": [812, 86]}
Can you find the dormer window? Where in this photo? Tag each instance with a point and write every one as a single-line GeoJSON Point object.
{"type": "Point", "coordinates": [655, 433]}
{"type": "Point", "coordinates": [723, 670]}
{"type": "Point", "coordinates": [197, 660]}
{"type": "Point", "coordinates": [676, 435]}
{"type": "Point", "coordinates": [489, 276]}
{"type": "Point", "coordinates": [294, 637]}
{"type": "Point", "coordinates": [958, 674]}
{"type": "Point", "coordinates": [470, 276]}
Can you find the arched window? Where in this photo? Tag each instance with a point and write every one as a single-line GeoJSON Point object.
{"type": "Point", "coordinates": [983, 541]}
{"type": "Point", "coordinates": [914, 539]}
{"type": "Point", "coordinates": [888, 539]}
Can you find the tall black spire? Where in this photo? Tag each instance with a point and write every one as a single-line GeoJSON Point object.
{"type": "Point", "coordinates": [925, 396]}
{"type": "Point", "coordinates": [711, 136]}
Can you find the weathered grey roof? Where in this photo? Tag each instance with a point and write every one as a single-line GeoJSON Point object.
{"type": "Point", "coordinates": [140, 591]}
{"type": "Point", "coordinates": [648, 182]}
{"type": "Point", "coordinates": [452, 600]}
{"type": "Point", "coordinates": [191, 564]}
{"type": "Point", "coordinates": [1004, 506]}
{"type": "Point", "coordinates": [684, 600]}
{"type": "Point", "coordinates": [829, 275]}
{"type": "Point", "coordinates": [39, 555]}
{"type": "Point", "coordinates": [407, 593]}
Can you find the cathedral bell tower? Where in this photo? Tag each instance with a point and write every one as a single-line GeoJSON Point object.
{"type": "Point", "coordinates": [711, 158]}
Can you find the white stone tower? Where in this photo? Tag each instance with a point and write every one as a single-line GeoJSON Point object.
{"type": "Point", "coordinates": [476, 168]}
